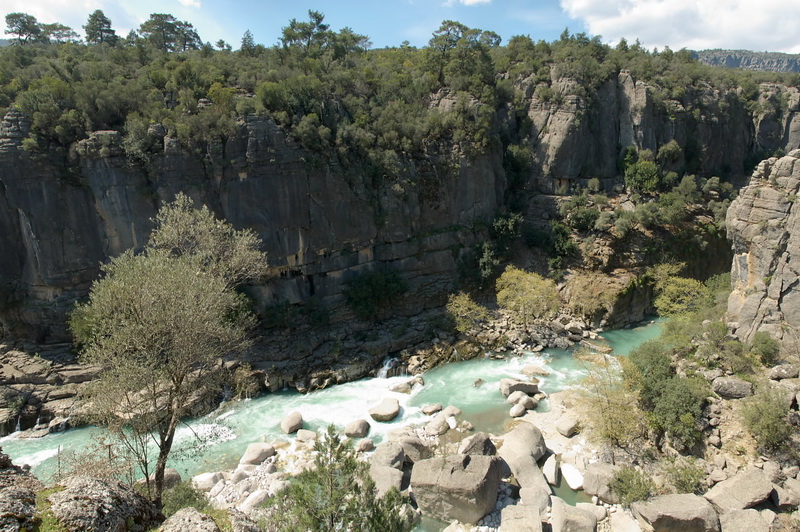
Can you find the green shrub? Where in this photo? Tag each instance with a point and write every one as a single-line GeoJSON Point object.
{"type": "Point", "coordinates": [765, 348]}
{"type": "Point", "coordinates": [676, 411]}
{"type": "Point", "coordinates": [527, 294]}
{"type": "Point", "coordinates": [643, 176]}
{"type": "Point", "coordinates": [337, 494]}
{"type": "Point", "coordinates": [183, 495]}
{"type": "Point", "coordinates": [465, 312]}
{"type": "Point", "coordinates": [765, 417]}
{"type": "Point", "coordinates": [631, 485]}
{"type": "Point", "coordinates": [677, 295]}
{"type": "Point", "coordinates": [685, 475]}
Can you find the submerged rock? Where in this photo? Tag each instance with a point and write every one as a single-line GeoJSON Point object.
{"type": "Point", "coordinates": [386, 410]}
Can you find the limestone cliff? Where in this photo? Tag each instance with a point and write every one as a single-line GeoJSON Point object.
{"type": "Point", "coordinates": [747, 60]}
{"type": "Point", "coordinates": [764, 229]}
{"type": "Point", "coordinates": [322, 221]}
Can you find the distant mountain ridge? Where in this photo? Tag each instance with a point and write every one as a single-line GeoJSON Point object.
{"type": "Point", "coordinates": [747, 60]}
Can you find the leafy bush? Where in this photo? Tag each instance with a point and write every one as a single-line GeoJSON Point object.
{"type": "Point", "coordinates": [465, 312]}
{"type": "Point", "coordinates": [631, 485]}
{"type": "Point", "coordinates": [685, 475]}
{"type": "Point", "coordinates": [643, 176]}
{"type": "Point", "coordinates": [677, 295]}
{"type": "Point", "coordinates": [372, 291]}
{"type": "Point", "coordinates": [676, 410]}
{"type": "Point", "coordinates": [527, 294]}
{"type": "Point", "coordinates": [183, 495]}
{"type": "Point", "coordinates": [765, 347]}
{"type": "Point", "coordinates": [765, 417]}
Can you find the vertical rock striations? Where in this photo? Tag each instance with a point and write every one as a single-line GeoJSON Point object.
{"type": "Point", "coordinates": [764, 229]}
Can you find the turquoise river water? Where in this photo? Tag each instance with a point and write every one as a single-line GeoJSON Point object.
{"type": "Point", "coordinates": [234, 425]}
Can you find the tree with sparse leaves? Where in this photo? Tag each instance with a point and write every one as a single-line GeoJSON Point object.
{"type": "Point", "coordinates": [159, 324]}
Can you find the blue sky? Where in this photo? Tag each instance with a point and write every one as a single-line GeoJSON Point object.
{"type": "Point", "coordinates": [766, 25]}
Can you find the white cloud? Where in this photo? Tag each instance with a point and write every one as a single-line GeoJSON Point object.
{"type": "Point", "coordinates": [190, 3]}
{"type": "Point", "coordinates": [467, 2]}
{"type": "Point", "coordinates": [766, 25]}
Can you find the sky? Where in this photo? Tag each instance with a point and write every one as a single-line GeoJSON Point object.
{"type": "Point", "coordinates": [763, 25]}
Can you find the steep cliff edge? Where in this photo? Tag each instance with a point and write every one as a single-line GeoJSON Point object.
{"type": "Point", "coordinates": [324, 221]}
{"type": "Point", "coordinates": [764, 229]}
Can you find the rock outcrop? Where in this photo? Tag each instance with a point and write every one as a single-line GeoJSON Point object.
{"type": "Point", "coordinates": [85, 503]}
{"type": "Point", "coordinates": [17, 497]}
{"type": "Point", "coordinates": [677, 513]}
{"type": "Point", "coordinates": [461, 487]}
{"type": "Point", "coordinates": [763, 228]}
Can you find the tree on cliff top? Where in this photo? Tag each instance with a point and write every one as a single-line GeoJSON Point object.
{"type": "Point", "coordinates": [159, 324]}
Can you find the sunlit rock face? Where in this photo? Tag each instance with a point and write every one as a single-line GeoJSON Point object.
{"type": "Point", "coordinates": [764, 229]}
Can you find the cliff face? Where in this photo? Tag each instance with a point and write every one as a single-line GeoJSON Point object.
{"type": "Point", "coordinates": [747, 60]}
{"type": "Point", "coordinates": [322, 223]}
{"type": "Point", "coordinates": [764, 228]}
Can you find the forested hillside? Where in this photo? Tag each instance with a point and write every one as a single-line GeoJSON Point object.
{"type": "Point", "coordinates": [421, 167]}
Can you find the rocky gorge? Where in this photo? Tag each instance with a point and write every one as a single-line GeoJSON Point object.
{"type": "Point", "coordinates": [322, 224]}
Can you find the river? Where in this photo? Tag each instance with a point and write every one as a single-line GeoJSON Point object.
{"type": "Point", "coordinates": [235, 425]}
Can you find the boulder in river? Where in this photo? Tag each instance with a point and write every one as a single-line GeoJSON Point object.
{"type": "Point", "coordinates": [357, 429]}
{"type": "Point", "coordinates": [386, 410]}
{"type": "Point", "coordinates": [572, 476]}
{"type": "Point", "coordinates": [461, 487]}
{"type": "Point", "coordinates": [508, 386]}
{"type": "Point", "coordinates": [292, 423]}
{"type": "Point", "coordinates": [256, 453]}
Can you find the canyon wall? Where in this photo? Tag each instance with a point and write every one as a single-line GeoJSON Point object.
{"type": "Point", "coordinates": [764, 229]}
{"type": "Point", "coordinates": [323, 222]}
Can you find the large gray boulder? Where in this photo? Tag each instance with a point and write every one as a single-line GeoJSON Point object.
{"type": "Point", "coordinates": [414, 449]}
{"type": "Point", "coordinates": [508, 386]}
{"type": "Point", "coordinates": [386, 410]}
{"type": "Point", "coordinates": [596, 480]}
{"type": "Point", "coordinates": [566, 518]}
{"type": "Point", "coordinates": [743, 521]}
{"type": "Point", "coordinates": [684, 512]}
{"type": "Point", "coordinates": [732, 387]}
{"type": "Point", "coordinates": [292, 423]}
{"type": "Point", "coordinates": [388, 454]}
{"type": "Point", "coordinates": [521, 449]}
{"type": "Point", "coordinates": [256, 453]}
{"type": "Point", "coordinates": [743, 490]}
{"type": "Point", "coordinates": [536, 496]}
{"type": "Point", "coordinates": [189, 519]}
{"type": "Point", "coordinates": [784, 371]}
{"type": "Point", "coordinates": [385, 478]}
{"type": "Point", "coordinates": [461, 487]}
{"type": "Point", "coordinates": [438, 425]}
{"type": "Point", "coordinates": [88, 503]}
{"type": "Point", "coordinates": [357, 429]}
{"type": "Point", "coordinates": [519, 518]}
{"type": "Point", "coordinates": [478, 443]}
